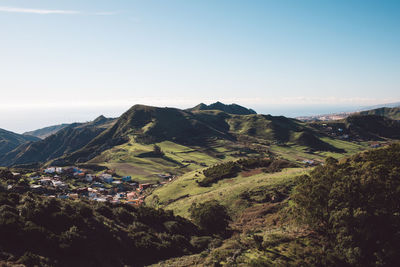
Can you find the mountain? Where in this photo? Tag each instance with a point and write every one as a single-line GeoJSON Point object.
{"type": "Point", "coordinates": [279, 129]}
{"type": "Point", "coordinates": [47, 131]}
{"type": "Point", "coordinates": [202, 129]}
{"type": "Point", "coordinates": [373, 126]}
{"type": "Point", "coordinates": [231, 109]}
{"type": "Point", "coordinates": [127, 142]}
{"type": "Point", "coordinates": [387, 105]}
{"type": "Point", "coordinates": [146, 124]}
{"type": "Point", "coordinates": [66, 140]}
{"type": "Point", "coordinates": [362, 127]}
{"type": "Point", "coordinates": [393, 113]}
{"type": "Point", "coordinates": [10, 140]}
{"type": "Point", "coordinates": [390, 110]}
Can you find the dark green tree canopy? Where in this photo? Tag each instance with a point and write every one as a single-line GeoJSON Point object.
{"type": "Point", "coordinates": [356, 204]}
{"type": "Point", "coordinates": [210, 216]}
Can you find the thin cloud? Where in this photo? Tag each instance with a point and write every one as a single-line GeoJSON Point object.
{"type": "Point", "coordinates": [38, 11]}
{"type": "Point", "coordinates": [106, 13]}
{"type": "Point", "coordinates": [51, 11]}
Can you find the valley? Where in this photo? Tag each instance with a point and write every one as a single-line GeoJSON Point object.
{"type": "Point", "coordinates": [200, 133]}
{"type": "Point", "coordinates": [171, 160]}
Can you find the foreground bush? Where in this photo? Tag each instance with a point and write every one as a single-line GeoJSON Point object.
{"type": "Point", "coordinates": [46, 231]}
{"type": "Point", "coordinates": [356, 204]}
{"type": "Point", "coordinates": [210, 216]}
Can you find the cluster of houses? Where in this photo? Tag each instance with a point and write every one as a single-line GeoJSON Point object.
{"type": "Point", "coordinates": [103, 187]}
{"type": "Point", "coordinates": [333, 131]}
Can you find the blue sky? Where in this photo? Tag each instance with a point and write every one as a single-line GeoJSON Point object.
{"type": "Point", "coordinates": [64, 61]}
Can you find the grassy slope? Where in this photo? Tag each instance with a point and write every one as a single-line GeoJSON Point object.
{"type": "Point", "coordinates": [256, 135]}
{"type": "Point", "coordinates": [393, 113]}
{"type": "Point", "coordinates": [295, 152]}
{"type": "Point", "coordinates": [181, 159]}
{"type": "Point", "coordinates": [10, 140]}
{"type": "Point", "coordinates": [287, 243]}
{"type": "Point", "coordinates": [250, 218]}
{"type": "Point", "coordinates": [178, 159]}
{"type": "Point", "coordinates": [227, 191]}
{"type": "Point", "coordinates": [47, 131]}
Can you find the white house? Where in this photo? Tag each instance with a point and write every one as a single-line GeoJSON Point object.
{"type": "Point", "coordinates": [105, 177]}
{"type": "Point", "coordinates": [50, 170]}
{"type": "Point", "coordinates": [88, 178]}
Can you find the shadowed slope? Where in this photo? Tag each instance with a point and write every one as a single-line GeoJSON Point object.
{"type": "Point", "coordinates": [10, 140]}
{"type": "Point", "coordinates": [149, 125]}
{"type": "Point", "coordinates": [67, 140]}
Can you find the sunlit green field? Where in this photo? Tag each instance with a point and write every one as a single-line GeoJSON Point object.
{"type": "Point", "coordinates": [126, 159]}
{"type": "Point", "coordinates": [185, 190]}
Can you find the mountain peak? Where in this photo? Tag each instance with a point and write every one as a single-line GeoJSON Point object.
{"type": "Point", "coordinates": [231, 108]}
{"type": "Point", "coordinates": [100, 118]}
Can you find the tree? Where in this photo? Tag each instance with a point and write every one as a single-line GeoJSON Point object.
{"type": "Point", "coordinates": [157, 151]}
{"type": "Point", "coordinates": [211, 216]}
{"type": "Point", "coordinates": [355, 204]}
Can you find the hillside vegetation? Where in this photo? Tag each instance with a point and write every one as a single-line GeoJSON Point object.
{"type": "Point", "coordinates": [10, 140]}
{"type": "Point", "coordinates": [66, 140]}
{"type": "Point", "coordinates": [209, 135]}
{"type": "Point", "coordinates": [230, 189]}
{"type": "Point", "coordinates": [392, 113]}
{"type": "Point", "coordinates": [197, 139]}
{"type": "Point", "coordinates": [46, 131]}
{"type": "Point", "coordinates": [340, 214]}
{"type": "Point", "coordinates": [149, 125]}
{"type": "Point", "coordinates": [42, 231]}
{"type": "Point", "coordinates": [354, 204]}
{"type": "Point", "coordinates": [362, 127]}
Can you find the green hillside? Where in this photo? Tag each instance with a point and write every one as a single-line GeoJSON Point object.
{"type": "Point", "coordinates": [180, 194]}
{"type": "Point", "coordinates": [10, 140]}
{"type": "Point", "coordinates": [392, 113]}
{"type": "Point", "coordinates": [149, 125]}
{"type": "Point", "coordinates": [137, 160]}
{"type": "Point", "coordinates": [194, 139]}
{"type": "Point", "coordinates": [190, 140]}
{"type": "Point", "coordinates": [67, 140]}
{"type": "Point", "coordinates": [361, 128]}
{"type": "Point", "coordinates": [279, 130]}
{"type": "Point", "coordinates": [46, 131]}
{"type": "Point", "coordinates": [339, 214]}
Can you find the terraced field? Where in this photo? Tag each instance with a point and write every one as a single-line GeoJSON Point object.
{"type": "Point", "coordinates": [131, 159]}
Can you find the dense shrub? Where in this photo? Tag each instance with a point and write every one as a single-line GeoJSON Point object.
{"type": "Point", "coordinates": [218, 172]}
{"type": "Point", "coordinates": [355, 204]}
{"type": "Point", "coordinates": [210, 216]}
{"type": "Point", "coordinates": [47, 231]}
{"type": "Point", "coordinates": [232, 168]}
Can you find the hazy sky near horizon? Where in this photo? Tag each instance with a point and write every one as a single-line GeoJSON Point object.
{"type": "Point", "coordinates": [63, 61]}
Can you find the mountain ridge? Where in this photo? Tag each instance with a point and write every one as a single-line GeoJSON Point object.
{"type": "Point", "coordinates": [390, 112]}
{"type": "Point", "coordinates": [148, 125]}
{"type": "Point", "coordinates": [42, 133]}
{"type": "Point", "coordinates": [10, 140]}
{"type": "Point", "coordinates": [230, 108]}
{"type": "Point", "coordinates": [66, 140]}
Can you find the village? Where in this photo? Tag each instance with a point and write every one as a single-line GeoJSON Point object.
{"type": "Point", "coordinates": [76, 183]}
